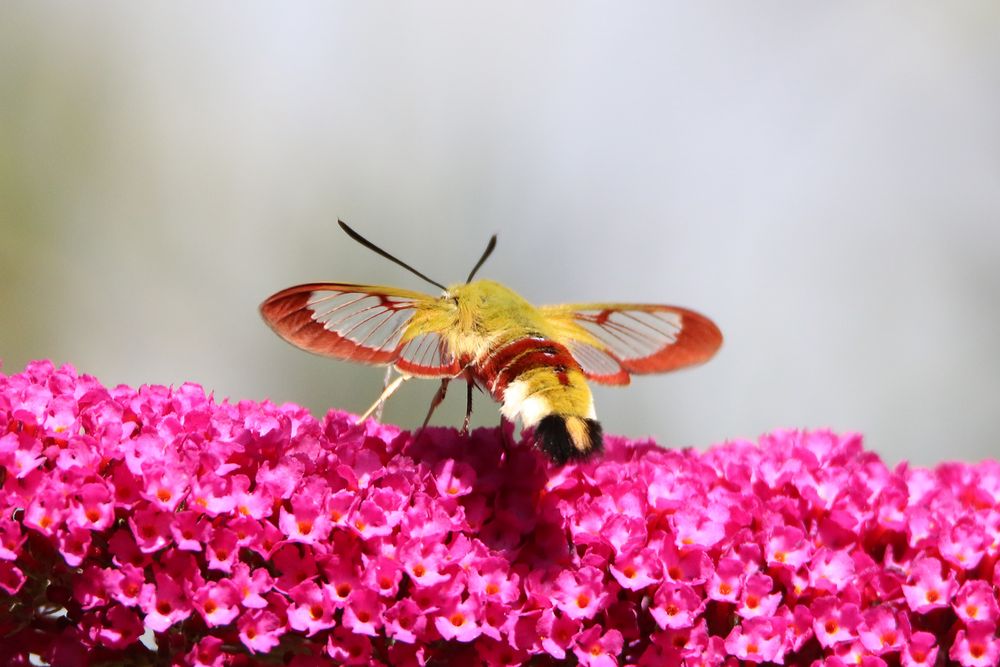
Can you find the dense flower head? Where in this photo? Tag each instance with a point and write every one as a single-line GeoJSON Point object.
{"type": "Point", "coordinates": [160, 524]}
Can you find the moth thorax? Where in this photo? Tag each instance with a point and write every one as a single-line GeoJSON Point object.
{"type": "Point", "coordinates": [567, 438]}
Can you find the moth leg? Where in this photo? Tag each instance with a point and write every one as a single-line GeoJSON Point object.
{"type": "Point", "coordinates": [385, 385]}
{"type": "Point", "coordinates": [468, 407]}
{"type": "Point", "coordinates": [386, 393]}
{"type": "Point", "coordinates": [436, 401]}
{"type": "Point", "coordinates": [504, 442]}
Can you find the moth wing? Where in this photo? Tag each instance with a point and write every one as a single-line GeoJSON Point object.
{"type": "Point", "coordinates": [367, 324]}
{"type": "Point", "coordinates": [613, 340]}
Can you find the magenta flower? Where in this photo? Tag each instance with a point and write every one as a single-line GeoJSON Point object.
{"type": "Point", "coordinates": [929, 590]}
{"type": "Point", "coordinates": [382, 574]}
{"type": "Point", "coordinates": [921, 651]}
{"type": "Point", "coordinates": [124, 584]}
{"type": "Point", "coordinates": [637, 570]}
{"type": "Point", "coordinates": [881, 632]}
{"type": "Point", "coordinates": [490, 579]}
{"type": "Point", "coordinates": [976, 645]}
{"type": "Point", "coordinates": [458, 620]}
{"type": "Point", "coordinates": [251, 585]}
{"type": "Point", "coordinates": [759, 639]}
{"type": "Point", "coordinates": [164, 603]}
{"type": "Point", "coordinates": [115, 628]}
{"type": "Point", "coordinates": [975, 602]}
{"type": "Point", "coordinates": [11, 578]}
{"type": "Point", "coordinates": [348, 648]}
{"type": "Point", "coordinates": [363, 612]}
{"type": "Point", "coordinates": [757, 598]}
{"type": "Point", "coordinates": [404, 621]}
{"type": "Point", "coordinates": [962, 544]}
{"type": "Point", "coordinates": [787, 546]}
{"type": "Point", "coordinates": [727, 580]}
{"type": "Point", "coordinates": [596, 649]}
{"type": "Point", "coordinates": [307, 522]}
{"type": "Point", "coordinates": [245, 533]}
{"type": "Point", "coordinates": [311, 608]}
{"type": "Point", "coordinates": [558, 633]}
{"type": "Point", "coordinates": [260, 630]}
{"type": "Point", "coordinates": [217, 602]}
{"type": "Point", "coordinates": [189, 531]}
{"type": "Point", "coordinates": [580, 595]}
{"type": "Point", "coordinates": [676, 606]}
{"type": "Point", "coordinates": [834, 622]}
{"type": "Point", "coordinates": [830, 570]}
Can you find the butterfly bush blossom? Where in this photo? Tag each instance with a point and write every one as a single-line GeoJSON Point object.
{"type": "Point", "coordinates": [161, 526]}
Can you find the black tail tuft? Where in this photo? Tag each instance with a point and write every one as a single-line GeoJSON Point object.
{"type": "Point", "coordinates": [566, 439]}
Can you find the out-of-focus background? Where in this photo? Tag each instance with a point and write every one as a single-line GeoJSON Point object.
{"type": "Point", "coordinates": [823, 180]}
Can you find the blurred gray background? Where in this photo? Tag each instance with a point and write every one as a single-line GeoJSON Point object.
{"type": "Point", "coordinates": [823, 180]}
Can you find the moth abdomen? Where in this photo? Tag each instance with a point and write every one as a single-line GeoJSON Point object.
{"type": "Point", "coordinates": [567, 438]}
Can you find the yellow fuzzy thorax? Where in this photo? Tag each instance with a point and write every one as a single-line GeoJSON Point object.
{"type": "Point", "coordinates": [482, 316]}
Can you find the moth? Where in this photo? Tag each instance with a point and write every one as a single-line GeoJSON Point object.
{"type": "Point", "coordinates": [536, 361]}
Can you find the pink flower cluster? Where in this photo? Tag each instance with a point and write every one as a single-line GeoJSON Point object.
{"type": "Point", "coordinates": [159, 525]}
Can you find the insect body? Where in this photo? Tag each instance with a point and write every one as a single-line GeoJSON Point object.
{"type": "Point", "coordinates": [535, 361]}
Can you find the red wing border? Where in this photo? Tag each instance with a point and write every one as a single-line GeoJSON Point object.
{"type": "Point", "coordinates": [361, 323]}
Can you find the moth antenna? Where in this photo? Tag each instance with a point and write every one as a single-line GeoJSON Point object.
{"type": "Point", "coordinates": [486, 253]}
{"type": "Point", "coordinates": [371, 246]}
